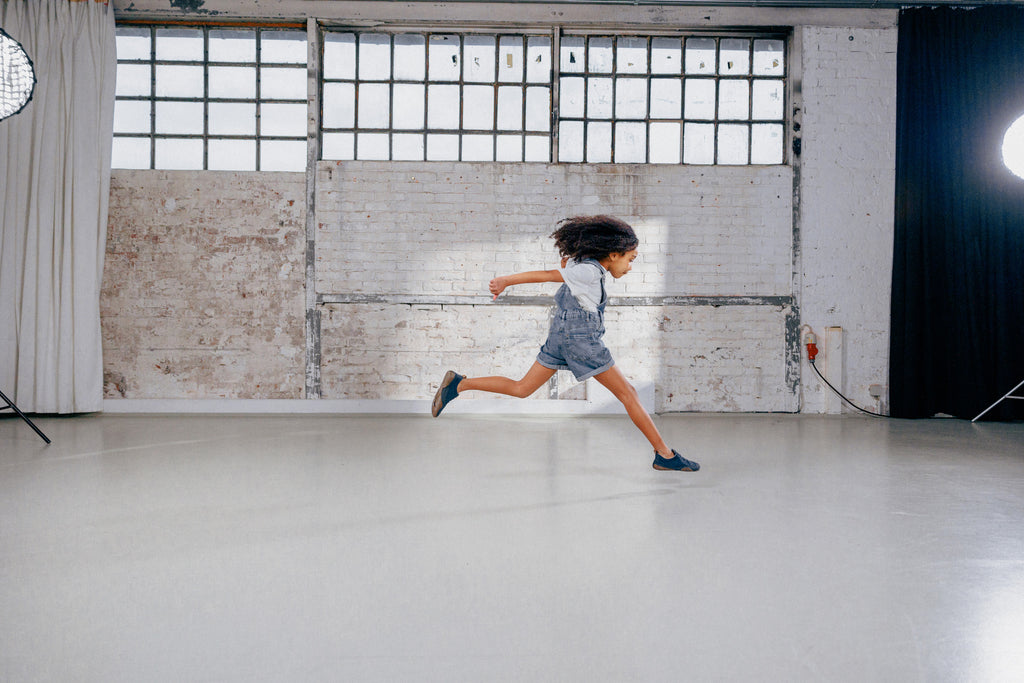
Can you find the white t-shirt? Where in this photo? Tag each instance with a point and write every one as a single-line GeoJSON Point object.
{"type": "Point", "coordinates": [584, 281]}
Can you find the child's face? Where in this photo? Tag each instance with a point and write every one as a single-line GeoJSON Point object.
{"type": "Point", "coordinates": [620, 263]}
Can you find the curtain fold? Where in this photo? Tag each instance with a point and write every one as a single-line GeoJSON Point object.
{"type": "Point", "coordinates": [958, 258]}
{"type": "Point", "coordinates": [54, 189]}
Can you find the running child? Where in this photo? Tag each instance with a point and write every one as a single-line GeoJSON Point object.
{"type": "Point", "coordinates": [590, 247]}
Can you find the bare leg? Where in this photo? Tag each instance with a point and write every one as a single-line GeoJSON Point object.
{"type": "Point", "coordinates": [613, 380]}
{"type": "Point", "coordinates": [535, 377]}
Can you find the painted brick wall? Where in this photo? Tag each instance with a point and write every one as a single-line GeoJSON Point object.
{"type": "Point", "coordinates": [420, 229]}
{"type": "Point", "coordinates": [203, 285]}
{"type": "Point", "coordinates": [435, 228]}
{"type": "Point", "coordinates": [847, 201]}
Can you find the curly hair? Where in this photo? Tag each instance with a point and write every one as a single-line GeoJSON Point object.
{"type": "Point", "coordinates": [594, 237]}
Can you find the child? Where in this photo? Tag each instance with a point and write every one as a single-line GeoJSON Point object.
{"type": "Point", "coordinates": [590, 246]}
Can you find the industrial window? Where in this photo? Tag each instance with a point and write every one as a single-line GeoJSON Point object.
{"type": "Point", "coordinates": [691, 100]}
{"type": "Point", "coordinates": [207, 97]}
{"type": "Point", "coordinates": [436, 97]}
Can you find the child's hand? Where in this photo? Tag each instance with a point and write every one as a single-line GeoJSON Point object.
{"type": "Point", "coordinates": [497, 286]}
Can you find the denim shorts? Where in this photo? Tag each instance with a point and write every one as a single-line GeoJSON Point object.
{"type": "Point", "coordinates": [574, 343]}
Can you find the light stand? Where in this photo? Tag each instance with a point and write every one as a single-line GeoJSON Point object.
{"type": "Point", "coordinates": [1008, 395]}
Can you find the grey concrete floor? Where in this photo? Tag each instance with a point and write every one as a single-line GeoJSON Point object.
{"type": "Point", "coordinates": [497, 549]}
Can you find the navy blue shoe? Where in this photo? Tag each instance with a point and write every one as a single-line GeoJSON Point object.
{"type": "Point", "coordinates": [447, 392]}
{"type": "Point", "coordinates": [677, 463]}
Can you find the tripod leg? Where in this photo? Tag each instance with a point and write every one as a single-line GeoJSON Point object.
{"type": "Point", "coordinates": [999, 401]}
{"type": "Point", "coordinates": [10, 404]}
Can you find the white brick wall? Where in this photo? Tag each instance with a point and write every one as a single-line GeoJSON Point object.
{"type": "Point", "coordinates": [847, 188]}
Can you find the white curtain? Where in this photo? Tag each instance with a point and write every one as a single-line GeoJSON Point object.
{"type": "Point", "coordinates": [54, 187]}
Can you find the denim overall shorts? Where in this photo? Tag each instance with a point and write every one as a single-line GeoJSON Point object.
{"type": "Point", "coordinates": [574, 339]}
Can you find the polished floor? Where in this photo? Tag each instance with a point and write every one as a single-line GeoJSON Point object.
{"type": "Point", "coordinates": [324, 548]}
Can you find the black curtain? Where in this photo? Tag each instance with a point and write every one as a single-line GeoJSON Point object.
{"type": "Point", "coordinates": [957, 340]}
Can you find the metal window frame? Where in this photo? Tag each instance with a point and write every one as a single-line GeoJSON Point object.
{"type": "Point", "coordinates": [614, 75]}
{"type": "Point", "coordinates": [257, 100]}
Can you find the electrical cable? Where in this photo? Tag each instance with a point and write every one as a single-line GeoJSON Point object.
{"type": "Point", "coordinates": [812, 350]}
{"type": "Point", "coordinates": [829, 385]}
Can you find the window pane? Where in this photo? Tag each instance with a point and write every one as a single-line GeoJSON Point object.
{"type": "Point", "coordinates": [599, 98]}
{"type": "Point", "coordinates": [666, 98]}
{"type": "Point", "coordinates": [374, 57]}
{"type": "Point", "coordinates": [408, 106]}
{"type": "Point", "coordinates": [287, 120]}
{"type": "Point", "coordinates": [599, 143]}
{"type": "Point", "coordinates": [510, 59]}
{"type": "Point", "coordinates": [282, 84]}
{"type": "Point", "coordinates": [630, 143]}
{"type": "Point", "coordinates": [134, 80]}
{"type": "Point", "coordinates": [767, 100]}
{"type": "Point", "coordinates": [233, 45]}
{"type": "Point", "coordinates": [372, 146]}
{"type": "Point", "coordinates": [599, 55]}
{"type": "Point", "coordinates": [179, 44]}
{"type": "Point", "coordinates": [699, 143]}
{"type": "Point", "coordinates": [700, 99]}
{"type": "Point", "coordinates": [538, 108]}
{"type": "Point", "coordinates": [282, 155]}
{"type": "Point", "coordinates": [133, 43]}
{"type": "Point", "coordinates": [733, 100]}
{"type": "Point", "coordinates": [131, 116]}
{"type": "Point", "coordinates": [510, 108]}
{"type": "Point", "coordinates": [339, 55]}
{"type": "Point", "coordinates": [179, 154]}
{"type": "Point", "coordinates": [231, 155]}
{"type": "Point", "coordinates": [479, 59]}
{"type": "Point", "coordinates": [666, 56]}
{"type": "Point", "coordinates": [700, 56]}
{"type": "Point", "coordinates": [232, 82]}
{"type": "Point", "coordinates": [130, 153]}
{"type": "Point", "coordinates": [538, 59]}
{"type": "Point", "coordinates": [732, 143]}
{"type": "Point", "coordinates": [768, 58]}
{"type": "Point", "coordinates": [179, 81]}
{"type": "Point", "coordinates": [179, 117]}
{"type": "Point", "coordinates": [410, 57]}
{"type": "Point", "coordinates": [339, 105]}
{"type": "Point", "coordinates": [442, 147]}
{"type": "Point", "coordinates": [478, 109]}
{"type": "Point", "coordinates": [444, 61]}
{"type": "Point", "coordinates": [374, 104]}
{"type": "Point", "coordinates": [407, 147]}
{"type": "Point", "coordinates": [509, 148]}
{"type": "Point", "coordinates": [285, 47]}
{"type": "Point", "coordinates": [766, 143]}
{"type": "Point", "coordinates": [735, 57]}
{"type": "Point", "coordinates": [442, 107]}
{"type": "Point", "coordinates": [631, 98]}
{"type": "Point", "coordinates": [570, 141]}
{"type": "Point", "coordinates": [233, 118]}
{"type": "Point", "coordinates": [478, 148]}
{"type": "Point", "coordinates": [341, 146]}
{"type": "Point", "coordinates": [572, 55]}
{"type": "Point", "coordinates": [538, 148]}
{"type": "Point", "coordinates": [631, 56]}
{"type": "Point", "coordinates": [665, 145]}
{"type": "Point", "coordinates": [571, 97]}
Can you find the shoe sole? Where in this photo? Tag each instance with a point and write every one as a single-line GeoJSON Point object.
{"type": "Point", "coordinates": [436, 406]}
{"type": "Point", "coordinates": [671, 469]}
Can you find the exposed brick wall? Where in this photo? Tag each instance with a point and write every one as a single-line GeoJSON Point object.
{"type": "Point", "coordinates": [203, 285]}
{"type": "Point", "coordinates": [847, 187]}
{"type": "Point", "coordinates": [437, 228]}
{"type": "Point", "coordinates": [204, 281]}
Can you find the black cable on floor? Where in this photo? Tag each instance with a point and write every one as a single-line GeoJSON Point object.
{"type": "Point", "coordinates": [827, 383]}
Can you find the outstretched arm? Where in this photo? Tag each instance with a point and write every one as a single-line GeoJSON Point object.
{"type": "Point", "coordinates": [499, 284]}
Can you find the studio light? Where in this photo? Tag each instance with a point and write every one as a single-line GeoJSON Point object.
{"type": "Point", "coordinates": [17, 77]}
